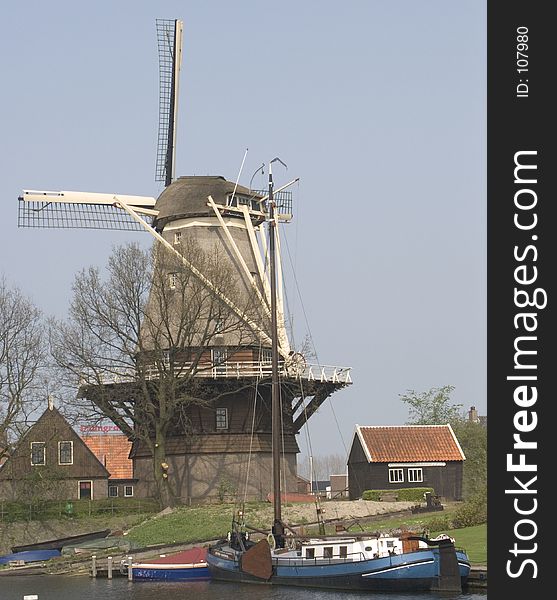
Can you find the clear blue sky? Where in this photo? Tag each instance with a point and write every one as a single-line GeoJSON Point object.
{"type": "Point", "coordinates": [379, 107]}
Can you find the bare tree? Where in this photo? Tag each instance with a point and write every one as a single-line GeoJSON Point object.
{"type": "Point", "coordinates": [141, 340]}
{"type": "Point", "coordinates": [21, 357]}
{"type": "Point", "coordinates": [321, 467]}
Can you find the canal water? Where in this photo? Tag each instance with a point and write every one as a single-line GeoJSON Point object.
{"type": "Point", "coordinates": [85, 588]}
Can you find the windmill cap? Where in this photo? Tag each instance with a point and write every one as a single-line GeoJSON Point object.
{"type": "Point", "coordinates": [187, 197]}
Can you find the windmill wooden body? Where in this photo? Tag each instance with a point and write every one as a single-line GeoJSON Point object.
{"type": "Point", "coordinates": [218, 217]}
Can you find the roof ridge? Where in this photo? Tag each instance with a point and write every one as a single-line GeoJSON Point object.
{"type": "Point", "coordinates": [408, 426]}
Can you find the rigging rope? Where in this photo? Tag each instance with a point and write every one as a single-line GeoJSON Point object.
{"type": "Point", "coordinates": [251, 439]}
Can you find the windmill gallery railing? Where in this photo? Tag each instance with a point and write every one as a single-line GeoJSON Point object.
{"type": "Point", "coordinates": [228, 369]}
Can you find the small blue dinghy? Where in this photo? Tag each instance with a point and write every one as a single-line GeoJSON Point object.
{"type": "Point", "coordinates": [29, 556]}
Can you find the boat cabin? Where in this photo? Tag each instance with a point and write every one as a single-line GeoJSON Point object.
{"type": "Point", "coordinates": [351, 549]}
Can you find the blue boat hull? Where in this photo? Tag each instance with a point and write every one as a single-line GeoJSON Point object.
{"type": "Point", "coordinates": [29, 556]}
{"type": "Point", "coordinates": [413, 571]}
{"type": "Point", "coordinates": [174, 573]}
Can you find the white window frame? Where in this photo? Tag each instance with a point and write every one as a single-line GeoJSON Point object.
{"type": "Point", "coordinates": [218, 417]}
{"type": "Point", "coordinates": [219, 356]}
{"type": "Point", "coordinates": [265, 356]}
{"type": "Point", "coordinates": [43, 446]}
{"type": "Point", "coordinates": [415, 475]}
{"type": "Point", "coordinates": [113, 487]}
{"type": "Point", "coordinates": [79, 488]}
{"type": "Point", "coordinates": [126, 495]}
{"type": "Point", "coordinates": [177, 237]}
{"type": "Point", "coordinates": [60, 452]}
{"type": "Point", "coordinates": [172, 280]}
{"type": "Point", "coordinates": [396, 475]}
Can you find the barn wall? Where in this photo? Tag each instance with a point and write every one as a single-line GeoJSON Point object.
{"type": "Point", "coordinates": [65, 489]}
{"type": "Point", "coordinates": [446, 481]}
{"type": "Point", "coordinates": [205, 477]}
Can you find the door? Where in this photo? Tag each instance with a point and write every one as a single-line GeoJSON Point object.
{"type": "Point", "coordinates": [85, 490]}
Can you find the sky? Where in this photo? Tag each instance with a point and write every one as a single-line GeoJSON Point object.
{"type": "Point", "coordinates": [379, 107]}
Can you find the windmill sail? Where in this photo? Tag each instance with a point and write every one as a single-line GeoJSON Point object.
{"type": "Point", "coordinates": [85, 210]}
{"type": "Point", "coordinates": [82, 210]}
{"type": "Point", "coordinates": [169, 35]}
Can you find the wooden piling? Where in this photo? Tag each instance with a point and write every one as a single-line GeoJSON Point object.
{"type": "Point", "coordinates": [109, 567]}
{"type": "Point", "coordinates": [130, 572]}
{"type": "Point", "coordinates": [93, 566]}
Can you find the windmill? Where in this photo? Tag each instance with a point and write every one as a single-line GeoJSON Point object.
{"type": "Point", "coordinates": [222, 215]}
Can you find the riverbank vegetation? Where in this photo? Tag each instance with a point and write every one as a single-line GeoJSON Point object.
{"type": "Point", "coordinates": [201, 524]}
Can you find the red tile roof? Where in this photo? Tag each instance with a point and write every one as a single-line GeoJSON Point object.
{"type": "Point", "coordinates": [410, 443]}
{"type": "Point", "coordinates": [112, 451]}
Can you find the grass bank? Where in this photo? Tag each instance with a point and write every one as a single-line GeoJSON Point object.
{"type": "Point", "coordinates": [473, 540]}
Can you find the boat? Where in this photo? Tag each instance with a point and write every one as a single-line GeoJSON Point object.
{"type": "Point", "coordinates": [114, 543]}
{"type": "Point", "coordinates": [401, 563]}
{"type": "Point", "coordinates": [28, 556]}
{"type": "Point", "coordinates": [188, 565]}
{"type": "Point", "coordinates": [59, 543]}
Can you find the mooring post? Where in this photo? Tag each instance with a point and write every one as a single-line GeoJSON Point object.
{"type": "Point", "coordinates": [93, 566]}
{"type": "Point", "coordinates": [109, 566]}
{"type": "Point", "coordinates": [130, 572]}
{"type": "Point", "coordinates": [31, 597]}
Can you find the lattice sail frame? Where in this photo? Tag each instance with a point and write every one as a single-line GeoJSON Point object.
{"type": "Point", "coordinates": [81, 210]}
{"type": "Point", "coordinates": [169, 36]}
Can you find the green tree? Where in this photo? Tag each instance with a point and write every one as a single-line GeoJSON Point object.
{"type": "Point", "coordinates": [432, 407]}
{"type": "Point", "coordinates": [472, 438]}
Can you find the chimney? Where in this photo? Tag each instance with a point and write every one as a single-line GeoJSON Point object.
{"type": "Point", "coordinates": [473, 415]}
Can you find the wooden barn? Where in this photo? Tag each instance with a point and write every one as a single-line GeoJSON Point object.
{"type": "Point", "coordinates": [52, 462]}
{"type": "Point", "coordinates": [406, 456]}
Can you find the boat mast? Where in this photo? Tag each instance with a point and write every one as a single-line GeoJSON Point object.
{"type": "Point", "coordinates": [275, 390]}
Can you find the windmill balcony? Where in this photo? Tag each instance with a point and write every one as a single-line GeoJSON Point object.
{"type": "Point", "coordinates": [230, 370]}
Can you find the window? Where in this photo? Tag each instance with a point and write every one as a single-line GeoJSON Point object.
{"type": "Point", "coordinates": [113, 491]}
{"type": "Point", "coordinates": [172, 280]}
{"type": "Point", "coordinates": [85, 490]}
{"type": "Point", "coordinates": [415, 475]}
{"type": "Point", "coordinates": [239, 200]}
{"type": "Point", "coordinates": [128, 491]}
{"type": "Point", "coordinates": [328, 552]}
{"type": "Point", "coordinates": [221, 418]}
{"type": "Point", "coordinates": [38, 456]}
{"type": "Point", "coordinates": [65, 453]}
{"type": "Point", "coordinates": [219, 361]}
{"type": "Point", "coordinates": [310, 552]}
{"type": "Point", "coordinates": [343, 551]}
{"type": "Point", "coordinates": [177, 237]}
{"type": "Point", "coordinates": [396, 475]}
{"type": "Point", "coordinates": [266, 355]}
